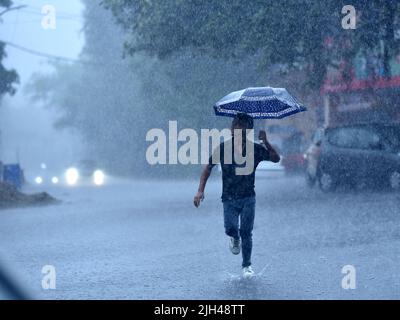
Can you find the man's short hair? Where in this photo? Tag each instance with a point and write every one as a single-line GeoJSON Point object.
{"type": "Point", "coordinates": [243, 121]}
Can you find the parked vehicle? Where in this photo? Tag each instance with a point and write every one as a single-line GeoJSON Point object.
{"type": "Point", "coordinates": [270, 169]}
{"type": "Point", "coordinates": [292, 152]}
{"type": "Point", "coordinates": [267, 169]}
{"type": "Point", "coordinates": [355, 155]}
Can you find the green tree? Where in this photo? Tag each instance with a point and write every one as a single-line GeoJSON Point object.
{"type": "Point", "coordinates": [7, 77]}
{"type": "Point", "coordinates": [290, 32]}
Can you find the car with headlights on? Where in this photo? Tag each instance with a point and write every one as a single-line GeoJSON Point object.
{"type": "Point", "coordinates": [86, 172]}
{"type": "Point", "coordinates": [44, 175]}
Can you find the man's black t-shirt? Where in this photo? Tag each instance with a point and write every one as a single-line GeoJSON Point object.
{"type": "Point", "coordinates": [234, 185]}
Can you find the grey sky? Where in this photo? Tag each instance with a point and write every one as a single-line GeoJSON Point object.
{"type": "Point", "coordinates": [27, 129]}
{"type": "Point", "coordinates": [24, 28]}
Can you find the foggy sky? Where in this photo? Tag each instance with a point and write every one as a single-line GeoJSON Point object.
{"type": "Point", "coordinates": [26, 129]}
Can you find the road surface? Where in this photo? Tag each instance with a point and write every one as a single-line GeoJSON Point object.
{"type": "Point", "coordinates": [145, 240]}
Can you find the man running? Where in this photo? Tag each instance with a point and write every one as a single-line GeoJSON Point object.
{"type": "Point", "coordinates": [238, 195]}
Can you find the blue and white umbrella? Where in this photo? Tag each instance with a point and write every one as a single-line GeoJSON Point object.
{"type": "Point", "coordinates": [259, 103]}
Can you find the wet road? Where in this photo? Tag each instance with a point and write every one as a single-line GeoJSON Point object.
{"type": "Point", "coordinates": [145, 240]}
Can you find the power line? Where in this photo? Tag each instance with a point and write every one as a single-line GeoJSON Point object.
{"type": "Point", "coordinates": [58, 58]}
{"type": "Point", "coordinates": [45, 55]}
{"type": "Point", "coordinates": [12, 9]}
{"type": "Point", "coordinates": [39, 10]}
{"type": "Point", "coordinates": [58, 17]}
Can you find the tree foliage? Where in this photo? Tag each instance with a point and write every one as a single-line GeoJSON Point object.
{"type": "Point", "coordinates": [5, 3]}
{"type": "Point", "coordinates": [290, 32]}
{"type": "Point", "coordinates": [113, 101]}
{"type": "Point", "coordinates": [7, 77]}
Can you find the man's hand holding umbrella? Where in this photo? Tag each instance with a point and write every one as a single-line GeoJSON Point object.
{"type": "Point", "coordinates": [262, 136]}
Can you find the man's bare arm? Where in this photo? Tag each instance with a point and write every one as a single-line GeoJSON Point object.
{"type": "Point", "coordinates": [203, 181]}
{"type": "Point", "coordinates": [274, 156]}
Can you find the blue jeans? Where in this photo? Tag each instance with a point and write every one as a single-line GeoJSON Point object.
{"type": "Point", "coordinates": [243, 209]}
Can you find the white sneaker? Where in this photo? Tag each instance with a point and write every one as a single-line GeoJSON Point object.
{"type": "Point", "coordinates": [234, 245]}
{"type": "Point", "coordinates": [248, 272]}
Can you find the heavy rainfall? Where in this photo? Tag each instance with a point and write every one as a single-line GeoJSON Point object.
{"type": "Point", "coordinates": [109, 115]}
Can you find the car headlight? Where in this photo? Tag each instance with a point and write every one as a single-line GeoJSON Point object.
{"type": "Point", "coordinates": [98, 177]}
{"type": "Point", "coordinates": [39, 180]}
{"type": "Point", "coordinates": [54, 180]}
{"type": "Point", "coordinates": [72, 176]}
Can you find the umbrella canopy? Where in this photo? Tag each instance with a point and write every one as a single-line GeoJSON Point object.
{"type": "Point", "coordinates": [259, 103]}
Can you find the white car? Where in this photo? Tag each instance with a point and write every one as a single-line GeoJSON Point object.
{"type": "Point", "coordinates": [267, 169]}
{"type": "Point", "coordinates": [270, 169]}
